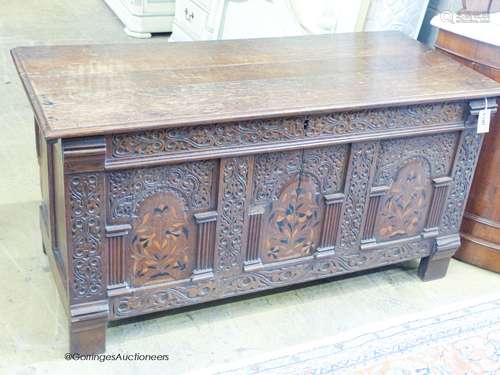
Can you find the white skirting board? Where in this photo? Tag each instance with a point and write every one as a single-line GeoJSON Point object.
{"type": "Point", "coordinates": [143, 17]}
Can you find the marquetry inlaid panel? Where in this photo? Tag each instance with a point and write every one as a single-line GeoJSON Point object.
{"type": "Point", "coordinates": [404, 207]}
{"type": "Point", "coordinates": [293, 224]}
{"type": "Point", "coordinates": [404, 176]}
{"type": "Point", "coordinates": [295, 211]}
{"type": "Point", "coordinates": [163, 239]}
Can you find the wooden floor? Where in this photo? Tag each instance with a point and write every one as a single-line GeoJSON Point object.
{"type": "Point", "coordinates": [33, 332]}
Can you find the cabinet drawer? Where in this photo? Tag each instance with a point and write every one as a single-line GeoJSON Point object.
{"type": "Point", "coordinates": [191, 17]}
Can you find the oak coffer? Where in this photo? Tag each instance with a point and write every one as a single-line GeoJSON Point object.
{"type": "Point", "coordinates": [174, 174]}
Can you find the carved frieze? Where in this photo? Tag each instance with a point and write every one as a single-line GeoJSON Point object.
{"type": "Point", "coordinates": [192, 182]}
{"type": "Point", "coordinates": [165, 298]}
{"type": "Point", "coordinates": [86, 235]}
{"type": "Point", "coordinates": [202, 137]}
{"type": "Point", "coordinates": [258, 132]}
{"type": "Point", "coordinates": [370, 120]}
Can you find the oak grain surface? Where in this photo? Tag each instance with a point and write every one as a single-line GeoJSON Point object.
{"type": "Point", "coordinates": [102, 89]}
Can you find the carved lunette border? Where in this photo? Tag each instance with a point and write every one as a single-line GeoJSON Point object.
{"type": "Point", "coordinates": [243, 138]}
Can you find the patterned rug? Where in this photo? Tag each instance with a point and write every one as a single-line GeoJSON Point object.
{"type": "Point", "coordinates": [462, 339]}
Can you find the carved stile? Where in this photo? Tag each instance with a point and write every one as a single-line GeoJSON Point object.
{"type": "Point", "coordinates": [86, 236]}
{"type": "Point", "coordinates": [233, 195]}
{"type": "Point", "coordinates": [363, 157]}
{"type": "Point", "coordinates": [463, 172]}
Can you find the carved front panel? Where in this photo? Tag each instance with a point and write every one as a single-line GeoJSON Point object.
{"type": "Point", "coordinates": [435, 150]}
{"type": "Point", "coordinates": [405, 170]}
{"type": "Point", "coordinates": [291, 188]}
{"type": "Point", "coordinates": [237, 224]}
{"type": "Point", "coordinates": [160, 204]}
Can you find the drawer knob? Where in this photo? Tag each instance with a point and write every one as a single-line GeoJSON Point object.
{"type": "Point", "coordinates": [189, 16]}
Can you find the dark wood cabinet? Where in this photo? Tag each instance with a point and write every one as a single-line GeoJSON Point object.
{"type": "Point", "coordinates": [480, 231]}
{"type": "Point", "coordinates": [179, 174]}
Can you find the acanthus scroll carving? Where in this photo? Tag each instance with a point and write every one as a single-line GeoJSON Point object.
{"type": "Point", "coordinates": [248, 133]}
{"type": "Point", "coordinates": [86, 228]}
{"type": "Point", "coordinates": [207, 136]}
{"type": "Point", "coordinates": [385, 119]}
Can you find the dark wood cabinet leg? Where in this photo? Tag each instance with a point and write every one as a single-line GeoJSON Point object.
{"type": "Point", "coordinates": [435, 265]}
{"type": "Point", "coordinates": [87, 330]}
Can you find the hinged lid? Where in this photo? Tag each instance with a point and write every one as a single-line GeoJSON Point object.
{"type": "Point", "coordinates": [100, 89]}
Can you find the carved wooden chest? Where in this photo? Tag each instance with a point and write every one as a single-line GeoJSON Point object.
{"type": "Point", "coordinates": [183, 173]}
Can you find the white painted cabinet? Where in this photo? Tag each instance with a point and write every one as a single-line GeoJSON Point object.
{"type": "Point", "coordinates": [232, 19]}
{"type": "Point", "coordinates": [143, 17]}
